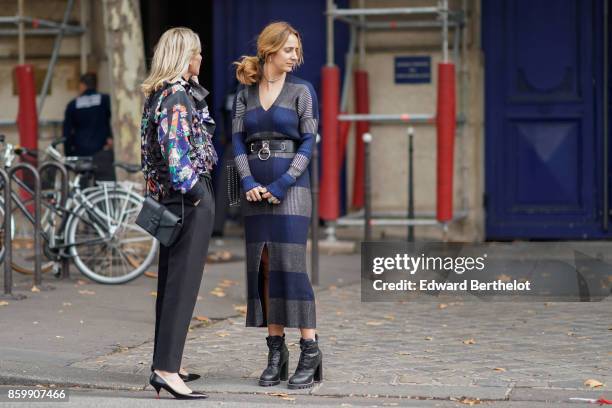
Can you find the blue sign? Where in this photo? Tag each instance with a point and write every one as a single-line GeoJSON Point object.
{"type": "Point", "coordinates": [413, 70]}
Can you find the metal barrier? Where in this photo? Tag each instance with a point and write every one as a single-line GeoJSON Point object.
{"type": "Point", "coordinates": [387, 219]}
{"type": "Point", "coordinates": [8, 270]}
{"type": "Point", "coordinates": [37, 207]}
{"type": "Point", "coordinates": [48, 165]}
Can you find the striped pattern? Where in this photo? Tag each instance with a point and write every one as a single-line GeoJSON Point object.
{"type": "Point", "coordinates": [282, 228]}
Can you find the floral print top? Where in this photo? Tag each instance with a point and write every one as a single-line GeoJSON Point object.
{"type": "Point", "coordinates": [176, 140]}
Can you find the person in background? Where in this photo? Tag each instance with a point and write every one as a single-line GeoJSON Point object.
{"type": "Point", "coordinates": [87, 127]}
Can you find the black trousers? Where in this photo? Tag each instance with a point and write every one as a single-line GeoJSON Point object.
{"type": "Point", "coordinates": [179, 275]}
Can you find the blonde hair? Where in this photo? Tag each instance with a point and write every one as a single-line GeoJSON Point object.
{"type": "Point", "coordinates": [249, 69]}
{"type": "Point", "coordinates": [175, 49]}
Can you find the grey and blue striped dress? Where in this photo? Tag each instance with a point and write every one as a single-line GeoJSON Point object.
{"type": "Point", "coordinates": [283, 227]}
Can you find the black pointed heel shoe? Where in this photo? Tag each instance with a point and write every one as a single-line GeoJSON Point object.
{"type": "Point", "coordinates": [310, 366]}
{"type": "Point", "coordinates": [278, 362]}
{"type": "Point", "coordinates": [158, 383]}
{"type": "Point", "coordinates": [189, 377]}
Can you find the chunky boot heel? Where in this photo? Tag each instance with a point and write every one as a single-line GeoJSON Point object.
{"type": "Point", "coordinates": [310, 366]}
{"type": "Point", "coordinates": [278, 360]}
{"type": "Point", "coordinates": [318, 375]}
{"type": "Point", "coordinates": [284, 372]}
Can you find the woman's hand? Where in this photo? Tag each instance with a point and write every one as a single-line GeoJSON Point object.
{"type": "Point", "coordinates": [271, 199]}
{"type": "Point", "coordinates": [255, 193]}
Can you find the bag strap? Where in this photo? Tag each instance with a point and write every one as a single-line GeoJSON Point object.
{"type": "Point", "coordinates": [182, 208]}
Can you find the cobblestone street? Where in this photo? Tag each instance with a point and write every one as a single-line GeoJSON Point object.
{"type": "Point", "coordinates": [492, 349]}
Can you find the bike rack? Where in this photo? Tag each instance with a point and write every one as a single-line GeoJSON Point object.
{"type": "Point", "coordinates": [65, 268]}
{"type": "Point", "coordinates": [8, 270]}
{"type": "Point", "coordinates": [37, 207]}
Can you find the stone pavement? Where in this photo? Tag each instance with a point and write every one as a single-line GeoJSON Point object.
{"type": "Point", "coordinates": [443, 350]}
{"type": "Point", "coordinates": [479, 350]}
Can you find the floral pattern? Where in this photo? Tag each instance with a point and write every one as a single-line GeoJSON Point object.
{"type": "Point", "coordinates": [176, 140]}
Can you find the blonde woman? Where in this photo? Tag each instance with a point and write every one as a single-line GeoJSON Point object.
{"type": "Point", "coordinates": [275, 121]}
{"type": "Point", "coordinates": [177, 157]}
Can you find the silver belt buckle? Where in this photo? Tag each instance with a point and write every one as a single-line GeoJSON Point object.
{"type": "Point", "coordinates": [265, 148]}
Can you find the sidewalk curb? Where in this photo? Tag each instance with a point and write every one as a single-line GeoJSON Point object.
{"type": "Point", "coordinates": [106, 380]}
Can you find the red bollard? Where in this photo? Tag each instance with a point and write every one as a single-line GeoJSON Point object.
{"type": "Point", "coordinates": [27, 118]}
{"type": "Point", "coordinates": [329, 198]}
{"type": "Point", "coordinates": [362, 105]}
{"type": "Point", "coordinates": [445, 122]}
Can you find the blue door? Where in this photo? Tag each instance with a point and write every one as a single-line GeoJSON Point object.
{"type": "Point", "coordinates": [543, 119]}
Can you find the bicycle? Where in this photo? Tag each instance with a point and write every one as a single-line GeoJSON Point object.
{"type": "Point", "coordinates": [94, 227]}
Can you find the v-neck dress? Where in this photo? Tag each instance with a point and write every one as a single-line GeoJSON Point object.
{"type": "Point", "coordinates": [282, 228]}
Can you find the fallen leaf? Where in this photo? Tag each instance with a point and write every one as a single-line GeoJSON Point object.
{"type": "Point", "coordinates": [242, 309]}
{"type": "Point", "coordinates": [442, 306]}
{"type": "Point", "coordinates": [332, 287]}
{"type": "Point", "coordinates": [217, 292]}
{"type": "Point", "coordinates": [591, 383]}
{"type": "Point", "coordinates": [35, 289]}
{"type": "Point", "coordinates": [469, 341]}
{"type": "Point", "coordinates": [389, 317]}
{"type": "Point", "coordinates": [469, 401]}
{"type": "Point", "coordinates": [278, 394]}
{"type": "Point", "coordinates": [3, 303]}
{"type": "Point", "coordinates": [226, 283]}
{"type": "Point", "coordinates": [504, 278]}
{"type": "Point", "coordinates": [500, 369]}
{"type": "Point", "coordinates": [66, 304]}
{"type": "Point", "coordinates": [59, 337]}
{"type": "Point", "coordinates": [154, 293]}
{"type": "Point", "coordinates": [428, 338]}
{"type": "Point", "coordinates": [202, 318]}
{"type": "Point", "coordinates": [150, 274]}
{"type": "Point", "coordinates": [222, 333]}
{"type": "Point", "coordinates": [403, 353]}
{"type": "Point", "coordinates": [87, 292]}
{"type": "Point", "coordinates": [82, 282]}
{"type": "Point", "coordinates": [288, 398]}
{"type": "Point", "coordinates": [374, 323]}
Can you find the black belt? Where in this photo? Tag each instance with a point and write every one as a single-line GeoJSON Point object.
{"type": "Point", "coordinates": [267, 146]}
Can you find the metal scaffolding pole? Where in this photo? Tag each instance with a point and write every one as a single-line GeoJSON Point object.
{"type": "Point", "coordinates": [56, 50]}
{"type": "Point", "coordinates": [21, 40]}
{"type": "Point", "coordinates": [383, 11]}
{"type": "Point", "coordinates": [331, 7]}
{"type": "Point", "coordinates": [444, 15]}
{"type": "Point", "coordinates": [356, 17]}
{"type": "Point", "coordinates": [85, 40]}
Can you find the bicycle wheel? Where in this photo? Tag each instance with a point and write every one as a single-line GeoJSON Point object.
{"type": "Point", "coordinates": [22, 259]}
{"type": "Point", "coordinates": [106, 244]}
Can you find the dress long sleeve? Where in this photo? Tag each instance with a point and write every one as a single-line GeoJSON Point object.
{"type": "Point", "coordinates": [238, 144]}
{"type": "Point", "coordinates": [308, 114]}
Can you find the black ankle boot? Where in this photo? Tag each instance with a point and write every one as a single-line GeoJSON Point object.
{"type": "Point", "coordinates": [278, 362]}
{"type": "Point", "coordinates": [310, 366]}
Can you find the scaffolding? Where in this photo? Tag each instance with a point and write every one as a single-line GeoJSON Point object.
{"type": "Point", "coordinates": [44, 27]}
{"type": "Point", "coordinates": [439, 16]}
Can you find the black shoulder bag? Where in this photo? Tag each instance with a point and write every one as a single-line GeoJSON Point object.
{"type": "Point", "coordinates": [159, 221]}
